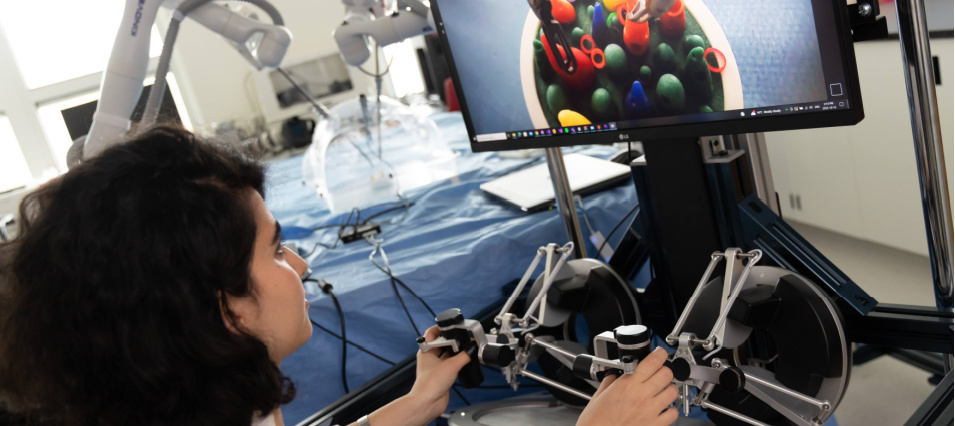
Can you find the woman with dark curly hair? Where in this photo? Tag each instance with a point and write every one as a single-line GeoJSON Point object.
{"type": "Point", "coordinates": [148, 285]}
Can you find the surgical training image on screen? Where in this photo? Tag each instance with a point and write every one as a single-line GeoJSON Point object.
{"type": "Point", "coordinates": [671, 58]}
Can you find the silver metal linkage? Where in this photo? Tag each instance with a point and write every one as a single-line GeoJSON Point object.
{"type": "Point", "coordinates": [711, 406]}
{"type": "Point", "coordinates": [717, 332]}
{"type": "Point", "coordinates": [555, 384]}
{"type": "Point", "coordinates": [672, 339]}
{"type": "Point", "coordinates": [551, 275]}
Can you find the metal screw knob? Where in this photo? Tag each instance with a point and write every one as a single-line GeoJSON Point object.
{"type": "Point", "coordinates": [865, 10]}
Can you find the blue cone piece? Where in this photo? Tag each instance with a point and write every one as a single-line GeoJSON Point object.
{"type": "Point", "coordinates": [598, 27]}
{"type": "Point", "coordinates": [636, 105]}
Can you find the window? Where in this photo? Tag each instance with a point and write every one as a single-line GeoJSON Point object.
{"type": "Point", "coordinates": [55, 41]}
{"type": "Point", "coordinates": [13, 167]}
{"type": "Point", "coordinates": [405, 72]}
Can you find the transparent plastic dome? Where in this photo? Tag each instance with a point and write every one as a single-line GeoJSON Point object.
{"type": "Point", "coordinates": [356, 159]}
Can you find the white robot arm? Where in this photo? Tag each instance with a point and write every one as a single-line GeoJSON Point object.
{"type": "Point", "coordinates": [372, 18]}
{"type": "Point", "coordinates": [263, 45]}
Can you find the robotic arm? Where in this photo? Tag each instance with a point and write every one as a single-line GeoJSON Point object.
{"type": "Point", "coordinates": [372, 18]}
{"type": "Point", "coordinates": [263, 45]}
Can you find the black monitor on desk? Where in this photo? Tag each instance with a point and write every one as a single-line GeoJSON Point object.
{"type": "Point", "coordinates": [706, 67]}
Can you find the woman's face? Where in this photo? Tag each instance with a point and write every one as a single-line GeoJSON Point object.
{"type": "Point", "coordinates": [277, 311]}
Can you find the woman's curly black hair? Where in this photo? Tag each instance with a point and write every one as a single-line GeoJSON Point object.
{"type": "Point", "coordinates": [112, 297]}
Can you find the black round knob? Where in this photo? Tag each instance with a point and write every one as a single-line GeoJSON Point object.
{"type": "Point", "coordinates": [449, 317]}
{"type": "Point", "coordinates": [632, 334]}
{"type": "Point", "coordinates": [732, 379]}
{"type": "Point", "coordinates": [681, 369]}
{"type": "Point", "coordinates": [497, 355]}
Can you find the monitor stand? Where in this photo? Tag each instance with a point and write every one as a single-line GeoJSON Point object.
{"type": "Point", "coordinates": [564, 198]}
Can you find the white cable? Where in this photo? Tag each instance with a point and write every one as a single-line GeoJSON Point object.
{"type": "Point", "coordinates": [718, 348]}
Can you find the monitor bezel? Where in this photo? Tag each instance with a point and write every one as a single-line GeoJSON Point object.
{"type": "Point", "coordinates": [809, 120]}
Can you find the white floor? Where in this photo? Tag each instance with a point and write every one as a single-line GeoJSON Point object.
{"type": "Point", "coordinates": [884, 391]}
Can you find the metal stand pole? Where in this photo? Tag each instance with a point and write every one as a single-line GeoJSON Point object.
{"type": "Point", "coordinates": [565, 200]}
{"type": "Point", "coordinates": [757, 160]}
{"type": "Point", "coordinates": [930, 158]}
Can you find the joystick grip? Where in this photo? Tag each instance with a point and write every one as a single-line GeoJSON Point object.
{"type": "Point", "coordinates": [471, 375]}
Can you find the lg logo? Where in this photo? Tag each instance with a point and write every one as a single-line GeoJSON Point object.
{"type": "Point", "coordinates": [623, 136]}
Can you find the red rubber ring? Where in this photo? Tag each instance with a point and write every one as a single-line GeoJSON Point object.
{"type": "Point", "coordinates": [621, 16]}
{"type": "Point", "coordinates": [587, 38]}
{"type": "Point", "coordinates": [720, 59]}
{"type": "Point", "coordinates": [598, 58]}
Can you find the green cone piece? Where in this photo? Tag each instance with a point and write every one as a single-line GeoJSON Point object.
{"type": "Point", "coordinates": [697, 76]}
{"type": "Point", "coordinates": [600, 103]}
{"type": "Point", "coordinates": [616, 60]}
{"type": "Point", "coordinates": [575, 36]}
{"type": "Point", "coordinates": [671, 96]}
{"type": "Point", "coordinates": [556, 99]}
{"type": "Point", "coordinates": [613, 21]}
{"type": "Point", "coordinates": [590, 11]}
{"type": "Point", "coordinates": [691, 41]}
{"type": "Point", "coordinates": [646, 74]}
{"type": "Point", "coordinates": [543, 64]}
{"type": "Point", "coordinates": [705, 108]}
{"type": "Point", "coordinates": [664, 59]}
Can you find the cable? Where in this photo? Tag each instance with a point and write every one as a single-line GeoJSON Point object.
{"type": "Point", "coordinates": [387, 271]}
{"type": "Point", "coordinates": [401, 300]}
{"type": "Point", "coordinates": [355, 212]}
{"type": "Point", "coordinates": [355, 345]}
{"type": "Point", "coordinates": [583, 211]}
{"type": "Point", "coordinates": [326, 288]}
{"type": "Point", "coordinates": [386, 211]}
{"type": "Point", "coordinates": [460, 395]}
{"type": "Point", "coordinates": [394, 285]}
{"type": "Point", "coordinates": [612, 231]}
{"type": "Point", "coordinates": [308, 97]}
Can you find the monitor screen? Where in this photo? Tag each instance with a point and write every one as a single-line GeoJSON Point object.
{"type": "Point", "coordinates": [651, 69]}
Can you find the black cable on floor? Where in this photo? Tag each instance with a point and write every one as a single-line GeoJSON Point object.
{"type": "Point", "coordinates": [326, 288]}
{"type": "Point", "coordinates": [460, 395]}
{"type": "Point", "coordinates": [405, 286]}
{"type": "Point", "coordinates": [386, 211]}
{"type": "Point", "coordinates": [355, 345]}
{"type": "Point", "coordinates": [404, 307]}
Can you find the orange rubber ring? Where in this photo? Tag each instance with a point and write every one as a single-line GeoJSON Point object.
{"type": "Point", "coordinates": [720, 59]}
{"type": "Point", "coordinates": [589, 39]}
{"type": "Point", "coordinates": [597, 57]}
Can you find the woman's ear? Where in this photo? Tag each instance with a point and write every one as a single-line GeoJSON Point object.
{"type": "Point", "coordinates": [229, 316]}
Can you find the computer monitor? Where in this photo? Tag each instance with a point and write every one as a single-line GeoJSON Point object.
{"type": "Point", "coordinates": [701, 67]}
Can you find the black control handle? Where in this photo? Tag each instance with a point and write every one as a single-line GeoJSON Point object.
{"type": "Point", "coordinates": [471, 375]}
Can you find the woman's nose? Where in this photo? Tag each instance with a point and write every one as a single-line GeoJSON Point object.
{"type": "Point", "coordinates": [298, 264]}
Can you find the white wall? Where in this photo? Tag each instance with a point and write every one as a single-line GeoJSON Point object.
{"type": "Point", "coordinates": [862, 181]}
{"type": "Point", "coordinates": [216, 80]}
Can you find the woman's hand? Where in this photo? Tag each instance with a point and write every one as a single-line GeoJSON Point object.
{"type": "Point", "coordinates": [640, 398]}
{"type": "Point", "coordinates": [435, 376]}
{"type": "Point", "coordinates": [429, 395]}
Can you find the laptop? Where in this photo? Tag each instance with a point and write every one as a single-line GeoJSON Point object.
{"type": "Point", "coordinates": [531, 189]}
